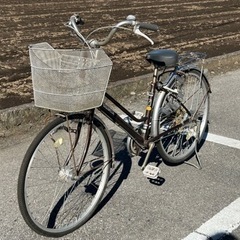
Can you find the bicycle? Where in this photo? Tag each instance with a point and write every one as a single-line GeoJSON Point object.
{"type": "Point", "coordinates": [66, 168]}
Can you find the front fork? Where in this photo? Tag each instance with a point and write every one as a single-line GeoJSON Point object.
{"type": "Point", "coordinates": [89, 122]}
{"type": "Point", "coordinates": [74, 141]}
{"type": "Point", "coordinates": [89, 119]}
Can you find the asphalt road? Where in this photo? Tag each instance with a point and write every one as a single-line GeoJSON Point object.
{"type": "Point", "coordinates": [135, 208]}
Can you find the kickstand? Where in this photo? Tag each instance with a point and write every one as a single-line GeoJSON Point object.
{"type": "Point", "coordinates": [199, 165]}
{"type": "Point", "coordinates": [151, 146]}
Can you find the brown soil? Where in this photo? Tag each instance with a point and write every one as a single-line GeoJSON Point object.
{"type": "Point", "coordinates": [211, 26]}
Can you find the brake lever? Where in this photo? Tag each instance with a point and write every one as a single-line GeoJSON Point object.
{"type": "Point", "coordinates": [137, 31]}
{"type": "Point", "coordinates": [72, 24]}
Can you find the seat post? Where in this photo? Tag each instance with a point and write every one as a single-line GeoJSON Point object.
{"type": "Point", "coordinates": [149, 106]}
{"type": "Point", "coordinates": [152, 87]}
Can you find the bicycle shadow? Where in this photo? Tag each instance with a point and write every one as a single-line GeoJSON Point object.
{"type": "Point", "coordinates": [120, 170]}
{"type": "Point", "coordinates": [223, 236]}
{"type": "Point", "coordinates": [123, 165]}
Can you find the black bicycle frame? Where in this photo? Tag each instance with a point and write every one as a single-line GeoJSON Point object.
{"type": "Point", "coordinates": [114, 117]}
{"type": "Point", "coordinates": [142, 141]}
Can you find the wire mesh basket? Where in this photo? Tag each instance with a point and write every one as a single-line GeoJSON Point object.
{"type": "Point", "coordinates": [68, 80]}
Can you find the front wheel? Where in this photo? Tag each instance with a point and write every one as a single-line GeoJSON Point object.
{"type": "Point", "coordinates": [179, 145]}
{"type": "Point", "coordinates": [63, 175]}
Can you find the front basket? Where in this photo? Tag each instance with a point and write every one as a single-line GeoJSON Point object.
{"type": "Point", "coordinates": [68, 80]}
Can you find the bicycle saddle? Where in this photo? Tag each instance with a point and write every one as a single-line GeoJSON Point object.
{"type": "Point", "coordinates": [163, 57]}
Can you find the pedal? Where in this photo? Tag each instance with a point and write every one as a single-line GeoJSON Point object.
{"type": "Point", "coordinates": [151, 172]}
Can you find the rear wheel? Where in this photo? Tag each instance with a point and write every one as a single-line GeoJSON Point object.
{"type": "Point", "coordinates": [179, 145]}
{"type": "Point", "coordinates": [54, 198]}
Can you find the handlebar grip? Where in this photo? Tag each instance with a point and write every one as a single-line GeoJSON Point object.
{"type": "Point", "coordinates": [149, 26]}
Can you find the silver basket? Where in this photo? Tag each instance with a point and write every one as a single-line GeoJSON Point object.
{"type": "Point", "coordinates": [69, 80]}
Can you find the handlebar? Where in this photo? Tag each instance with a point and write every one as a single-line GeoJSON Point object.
{"type": "Point", "coordinates": [130, 20]}
{"type": "Point", "coordinates": [149, 26]}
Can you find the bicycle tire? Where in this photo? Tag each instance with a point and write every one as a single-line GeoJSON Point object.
{"type": "Point", "coordinates": [54, 204]}
{"type": "Point", "coordinates": [179, 145]}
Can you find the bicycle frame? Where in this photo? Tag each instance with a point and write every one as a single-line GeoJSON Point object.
{"type": "Point", "coordinates": [114, 117]}
{"type": "Point", "coordinates": [143, 141]}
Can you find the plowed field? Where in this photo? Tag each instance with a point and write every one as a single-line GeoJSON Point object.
{"type": "Point", "coordinates": [211, 26]}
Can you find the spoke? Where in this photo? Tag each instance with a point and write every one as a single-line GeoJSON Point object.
{"type": "Point", "coordinates": [56, 194]}
{"type": "Point", "coordinates": [176, 145]}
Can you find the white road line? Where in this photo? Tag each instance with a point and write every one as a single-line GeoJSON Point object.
{"type": "Point", "coordinates": [228, 219]}
{"type": "Point", "coordinates": [224, 222]}
{"type": "Point", "coordinates": [230, 142]}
